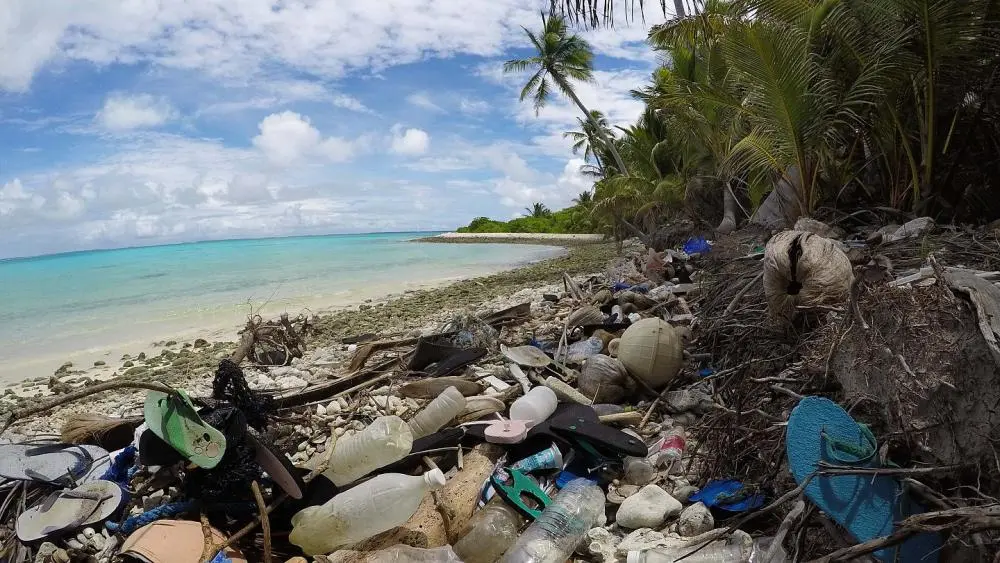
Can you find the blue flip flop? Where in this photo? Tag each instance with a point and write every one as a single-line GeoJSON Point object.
{"type": "Point", "coordinates": [867, 506]}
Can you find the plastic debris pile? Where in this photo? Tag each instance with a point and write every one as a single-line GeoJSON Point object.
{"type": "Point", "coordinates": [567, 422]}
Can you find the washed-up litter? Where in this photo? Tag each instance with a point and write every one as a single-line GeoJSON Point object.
{"type": "Point", "coordinates": [651, 413]}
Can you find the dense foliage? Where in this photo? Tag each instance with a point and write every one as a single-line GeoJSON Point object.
{"type": "Point", "coordinates": [780, 107]}
{"type": "Point", "coordinates": [538, 219]}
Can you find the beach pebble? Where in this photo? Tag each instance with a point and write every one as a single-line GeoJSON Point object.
{"type": "Point", "coordinates": [695, 519]}
{"type": "Point", "coordinates": [684, 492]}
{"type": "Point", "coordinates": [320, 410]}
{"type": "Point", "coordinates": [333, 408]}
{"type": "Point", "coordinates": [343, 403]}
{"type": "Point", "coordinates": [648, 508]}
{"type": "Point", "coordinates": [290, 382]}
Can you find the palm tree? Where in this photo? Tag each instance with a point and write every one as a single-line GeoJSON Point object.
{"type": "Point", "coordinates": [587, 140]}
{"type": "Point", "coordinates": [585, 199]}
{"type": "Point", "coordinates": [561, 57]}
{"type": "Point", "coordinates": [538, 210]}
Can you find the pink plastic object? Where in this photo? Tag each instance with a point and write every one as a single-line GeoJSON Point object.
{"type": "Point", "coordinates": [506, 432]}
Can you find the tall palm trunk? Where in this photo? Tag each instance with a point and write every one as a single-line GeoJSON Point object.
{"type": "Point", "coordinates": [597, 126]}
{"type": "Point", "coordinates": [728, 223]}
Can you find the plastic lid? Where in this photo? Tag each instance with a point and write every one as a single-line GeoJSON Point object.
{"type": "Point", "coordinates": [435, 478]}
{"type": "Point", "coordinates": [633, 557]}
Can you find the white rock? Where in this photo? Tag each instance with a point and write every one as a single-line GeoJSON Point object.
{"type": "Point", "coordinates": [648, 508]}
{"type": "Point", "coordinates": [333, 408]}
{"type": "Point", "coordinates": [695, 519]}
{"type": "Point", "coordinates": [290, 382]}
{"type": "Point", "coordinates": [343, 403]}
{"type": "Point", "coordinates": [684, 492]}
{"type": "Point", "coordinates": [320, 410]}
{"type": "Point", "coordinates": [601, 544]}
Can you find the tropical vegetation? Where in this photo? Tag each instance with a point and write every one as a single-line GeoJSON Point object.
{"type": "Point", "coordinates": [774, 109]}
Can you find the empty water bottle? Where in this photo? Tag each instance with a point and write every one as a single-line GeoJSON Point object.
{"type": "Point", "coordinates": [384, 441]}
{"type": "Point", "coordinates": [492, 530]}
{"type": "Point", "coordinates": [377, 505]}
{"type": "Point", "coordinates": [437, 413]}
{"type": "Point", "coordinates": [555, 534]}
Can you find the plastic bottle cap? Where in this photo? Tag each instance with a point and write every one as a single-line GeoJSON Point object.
{"type": "Point", "coordinates": [435, 478]}
{"type": "Point", "coordinates": [633, 557]}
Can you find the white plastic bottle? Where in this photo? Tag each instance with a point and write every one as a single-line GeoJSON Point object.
{"type": "Point", "coordinates": [379, 504]}
{"type": "Point", "coordinates": [553, 536]}
{"type": "Point", "coordinates": [437, 413]}
{"type": "Point", "coordinates": [535, 406]}
{"type": "Point", "coordinates": [384, 441]}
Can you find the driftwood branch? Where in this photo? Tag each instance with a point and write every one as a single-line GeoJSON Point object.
{"type": "Point", "coordinates": [265, 522]}
{"type": "Point", "coordinates": [31, 410]}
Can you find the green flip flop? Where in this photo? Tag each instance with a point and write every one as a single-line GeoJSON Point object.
{"type": "Point", "coordinates": [174, 419]}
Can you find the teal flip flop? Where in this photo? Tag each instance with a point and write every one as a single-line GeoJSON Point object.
{"type": "Point", "coordinates": [174, 419]}
{"type": "Point", "coordinates": [867, 506]}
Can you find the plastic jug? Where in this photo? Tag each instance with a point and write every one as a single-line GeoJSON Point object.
{"type": "Point", "coordinates": [534, 407]}
{"type": "Point", "coordinates": [555, 534]}
{"type": "Point", "coordinates": [384, 441]}
{"type": "Point", "coordinates": [437, 413]}
{"type": "Point", "coordinates": [491, 531]}
{"type": "Point", "coordinates": [379, 504]}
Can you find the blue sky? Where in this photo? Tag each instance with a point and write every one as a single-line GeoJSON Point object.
{"type": "Point", "coordinates": [135, 122]}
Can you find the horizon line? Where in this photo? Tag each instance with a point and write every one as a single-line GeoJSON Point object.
{"type": "Point", "coordinates": [205, 241]}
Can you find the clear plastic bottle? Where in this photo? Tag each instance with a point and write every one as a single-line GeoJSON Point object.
{"type": "Point", "coordinates": [535, 406]}
{"type": "Point", "coordinates": [492, 530]}
{"type": "Point", "coordinates": [639, 471]}
{"type": "Point", "coordinates": [580, 351]}
{"type": "Point", "coordinates": [379, 504]}
{"type": "Point", "coordinates": [555, 534]}
{"type": "Point", "coordinates": [437, 413]}
{"type": "Point", "coordinates": [718, 552]}
{"type": "Point", "coordinates": [384, 441]}
{"type": "Point", "coordinates": [401, 553]}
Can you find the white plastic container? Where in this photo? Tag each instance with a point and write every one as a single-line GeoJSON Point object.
{"type": "Point", "coordinates": [377, 505]}
{"type": "Point", "coordinates": [386, 440]}
{"type": "Point", "coordinates": [437, 413]}
{"type": "Point", "coordinates": [534, 407]}
{"type": "Point", "coordinates": [562, 525]}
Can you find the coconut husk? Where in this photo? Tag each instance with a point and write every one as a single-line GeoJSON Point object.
{"type": "Point", "coordinates": [585, 316]}
{"type": "Point", "coordinates": [804, 269]}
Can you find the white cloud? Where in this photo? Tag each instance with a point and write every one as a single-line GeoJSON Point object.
{"type": "Point", "coordinates": [409, 141]}
{"type": "Point", "coordinates": [124, 112]}
{"type": "Point", "coordinates": [423, 101]}
{"type": "Point", "coordinates": [237, 40]}
{"type": "Point", "coordinates": [472, 106]}
{"type": "Point", "coordinates": [349, 102]}
{"type": "Point", "coordinates": [287, 138]}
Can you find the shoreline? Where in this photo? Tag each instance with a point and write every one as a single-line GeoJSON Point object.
{"type": "Point", "coordinates": [102, 353]}
{"type": "Point", "coordinates": [190, 364]}
{"type": "Point", "coordinates": [545, 239]}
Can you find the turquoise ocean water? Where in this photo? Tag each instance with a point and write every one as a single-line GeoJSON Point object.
{"type": "Point", "coordinates": [88, 304]}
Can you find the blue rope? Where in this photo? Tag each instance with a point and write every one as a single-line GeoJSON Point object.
{"type": "Point", "coordinates": [121, 467]}
{"type": "Point", "coordinates": [158, 513]}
